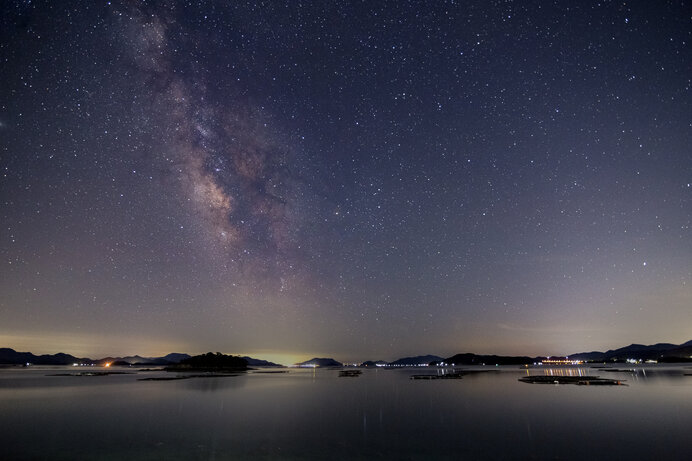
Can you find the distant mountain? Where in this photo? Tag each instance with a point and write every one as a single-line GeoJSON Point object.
{"type": "Point", "coordinates": [320, 362]}
{"type": "Point", "coordinates": [169, 359]}
{"type": "Point", "coordinates": [175, 357]}
{"type": "Point", "coordinates": [260, 363]}
{"type": "Point", "coordinates": [666, 352]}
{"type": "Point", "coordinates": [658, 351]}
{"type": "Point", "coordinates": [131, 360]}
{"type": "Point", "coordinates": [12, 357]}
{"type": "Point", "coordinates": [414, 361]}
{"type": "Point", "coordinates": [474, 359]}
{"type": "Point", "coordinates": [588, 356]}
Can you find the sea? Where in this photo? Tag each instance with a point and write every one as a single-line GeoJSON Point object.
{"type": "Point", "coordinates": [317, 414]}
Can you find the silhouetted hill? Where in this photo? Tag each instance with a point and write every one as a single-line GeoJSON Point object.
{"type": "Point", "coordinates": [260, 363]}
{"type": "Point", "coordinates": [474, 359]}
{"type": "Point", "coordinates": [120, 360]}
{"type": "Point", "coordinates": [12, 357]}
{"type": "Point", "coordinates": [210, 362]}
{"type": "Point", "coordinates": [169, 359]}
{"type": "Point", "coordinates": [588, 356]}
{"type": "Point", "coordinates": [417, 360]}
{"type": "Point", "coordinates": [175, 357]}
{"type": "Point", "coordinates": [657, 351]}
{"type": "Point", "coordinates": [320, 362]}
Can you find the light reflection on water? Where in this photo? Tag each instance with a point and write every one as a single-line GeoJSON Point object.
{"type": "Point", "coordinates": [307, 414]}
{"type": "Point", "coordinates": [646, 374]}
{"type": "Point", "coordinates": [561, 371]}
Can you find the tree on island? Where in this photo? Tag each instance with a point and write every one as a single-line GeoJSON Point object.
{"type": "Point", "coordinates": [210, 362]}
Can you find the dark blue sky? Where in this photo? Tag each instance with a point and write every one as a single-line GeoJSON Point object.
{"type": "Point", "coordinates": [358, 179]}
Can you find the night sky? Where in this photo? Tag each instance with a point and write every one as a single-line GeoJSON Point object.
{"type": "Point", "coordinates": [362, 180]}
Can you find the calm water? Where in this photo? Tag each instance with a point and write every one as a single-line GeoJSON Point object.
{"type": "Point", "coordinates": [314, 414]}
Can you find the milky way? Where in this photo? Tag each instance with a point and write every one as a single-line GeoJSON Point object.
{"type": "Point", "coordinates": [357, 179]}
{"type": "Point", "coordinates": [236, 178]}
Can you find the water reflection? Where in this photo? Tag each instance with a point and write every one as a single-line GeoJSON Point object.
{"type": "Point", "coordinates": [383, 414]}
{"type": "Point", "coordinates": [650, 374]}
{"type": "Point", "coordinates": [560, 371]}
{"type": "Point", "coordinates": [644, 374]}
{"type": "Point", "coordinates": [214, 384]}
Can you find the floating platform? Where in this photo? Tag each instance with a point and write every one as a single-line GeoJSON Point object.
{"type": "Point", "coordinates": [578, 380]}
{"type": "Point", "coordinates": [179, 377]}
{"type": "Point", "coordinates": [349, 373]}
{"type": "Point", "coordinates": [93, 373]}
{"type": "Point", "coordinates": [445, 376]}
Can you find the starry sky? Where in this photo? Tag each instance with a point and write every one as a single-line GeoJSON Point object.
{"type": "Point", "coordinates": [356, 179]}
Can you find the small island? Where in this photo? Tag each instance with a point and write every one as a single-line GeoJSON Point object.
{"type": "Point", "coordinates": [210, 362]}
{"type": "Point", "coordinates": [318, 362]}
